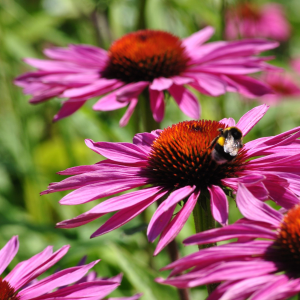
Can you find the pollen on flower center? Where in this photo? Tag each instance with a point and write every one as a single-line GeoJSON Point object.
{"type": "Point", "coordinates": [181, 156]}
{"type": "Point", "coordinates": [145, 55]}
{"type": "Point", "coordinates": [7, 292]}
{"type": "Point", "coordinates": [288, 241]}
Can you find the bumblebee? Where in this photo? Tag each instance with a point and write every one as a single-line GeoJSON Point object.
{"type": "Point", "coordinates": [226, 145]}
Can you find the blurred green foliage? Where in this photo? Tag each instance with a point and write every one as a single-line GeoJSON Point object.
{"type": "Point", "coordinates": [33, 149]}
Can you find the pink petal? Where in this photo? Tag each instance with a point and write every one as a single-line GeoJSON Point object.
{"type": "Point", "coordinates": [94, 290]}
{"type": "Point", "coordinates": [218, 204]}
{"type": "Point", "coordinates": [8, 252]}
{"type": "Point", "coordinates": [198, 38]}
{"type": "Point", "coordinates": [186, 101]}
{"type": "Point", "coordinates": [213, 85]}
{"type": "Point", "coordinates": [164, 212]}
{"type": "Point", "coordinates": [103, 189]}
{"type": "Point", "coordinates": [181, 80]}
{"type": "Point", "coordinates": [234, 271]}
{"type": "Point", "coordinates": [28, 270]}
{"type": "Point", "coordinates": [125, 200]}
{"type": "Point", "coordinates": [120, 152]}
{"type": "Point", "coordinates": [107, 173]}
{"type": "Point", "coordinates": [281, 195]}
{"type": "Point", "coordinates": [97, 88]}
{"type": "Point", "coordinates": [175, 226]}
{"type": "Point", "coordinates": [255, 209]}
{"type": "Point", "coordinates": [144, 141]}
{"type": "Point", "coordinates": [160, 84]}
{"type": "Point", "coordinates": [246, 47]}
{"type": "Point", "coordinates": [124, 120]}
{"type": "Point", "coordinates": [157, 104]}
{"type": "Point", "coordinates": [230, 232]}
{"type": "Point", "coordinates": [58, 279]}
{"type": "Point", "coordinates": [125, 215]}
{"type": "Point", "coordinates": [251, 118]}
{"type": "Point", "coordinates": [44, 93]}
{"type": "Point", "coordinates": [241, 289]}
{"type": "Point", "coordinates": [272, 287]}
{"type": "Point", "coordinates": [229, 122]}
{"type": "Point", "coordinates": [68, 108]}
{"type": "Point", "coordinates": [247, 86]}
{"type": "Point", "coordinates": [109, 102]}
{"type": "Point", "coordinates": [131, 90]}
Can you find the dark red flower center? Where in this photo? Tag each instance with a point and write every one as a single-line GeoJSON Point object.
{"type": "Point", "coordinates": [181, 156]}
{"type": "Point", "coordinates": [288, 241]}
{"type": "Point", "coordinates": [145, 55]}
{"type": "Point", "coordinates": [249, 11]}
{"type": "Point", "coordinates": [7, 292]}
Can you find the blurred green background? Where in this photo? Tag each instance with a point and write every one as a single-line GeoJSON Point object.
{"type": "Point", "coordinates": [33, 149]}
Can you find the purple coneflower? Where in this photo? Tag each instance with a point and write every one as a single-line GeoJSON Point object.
{"type": "Point", "coordinates": [147, 58]}
{"type": "Point", "coordinates": [71, 283]}
{"type": "Point", "coordinates": [174, 166]}
{"type": "Point", "coordinates": [263, 264]}
{"type": "Point", "coordinates": [248, 20]}
{"type": "Point", "coordinates": [283, 86]}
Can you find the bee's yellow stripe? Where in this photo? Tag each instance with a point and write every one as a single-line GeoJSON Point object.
{"type": "Point", "coordinates": [221, 141]}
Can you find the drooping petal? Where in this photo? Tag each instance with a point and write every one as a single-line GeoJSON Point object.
{"type": "Point", "coordinates": [163, 214]}
{"type": "Point", "coordinates": [131, 91]}
{"type": "Point", "coordinates": [218, 204]}
{"type": "Point", "coordinates": [186, 101]}
{"type": "Point", "coordinates": [175, 226]}
{"type": "Point", "coordinates": [247, 86]}
{"type": "Point", "coordinates": [68, 108]}
{"type": "Point", "coordinates": [124, 120]}
{"type": "Point", "coordinates": [125, 215]}
{"type": "Point", "coordinates": [160, 84]}
{"type": "Point", "coordinates": [213, 85]}
{"type": "Point", "coordinates": [157, 104]}
{"type": "Point", "coordinates": [255, 209]}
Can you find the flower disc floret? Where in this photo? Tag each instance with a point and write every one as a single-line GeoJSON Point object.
{"type": "Point", "coordinates": [145, 55]}
{"type": "Point", "coordinates": [181, 156]}
{"type": "Point", "coordinates": [7, 292]}
{"type": "Point", "coordinates": [288, 241]}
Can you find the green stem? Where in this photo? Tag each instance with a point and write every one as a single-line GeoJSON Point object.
{"type": "Point", "coordinates": [223, 18]}
{"type": "Point", "coordinates": [145, 121]}
{"type": "Point", "coordinates": [204, 220]}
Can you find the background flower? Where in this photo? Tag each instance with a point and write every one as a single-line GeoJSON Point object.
{"type": "Point", "coordinates": [249, 20]}
{"type": "Point", "coordinates": [283, 86]}
{"type": "Point", "coordinates": [69, 283]}
{"type": "Point", "coordinates": [177, 163]}
{"type": "Point", "coordinates": [147, 58]}
{"type": "Point", "coordinates": [262, 264]}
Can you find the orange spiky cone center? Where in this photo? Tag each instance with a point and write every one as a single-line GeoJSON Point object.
{"type": "Point", "coordinates": [181, 156]}
{"type": "Point", "coordinates": [7, 292]}
{"type": "Point", "coordinates": [145, 55]}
